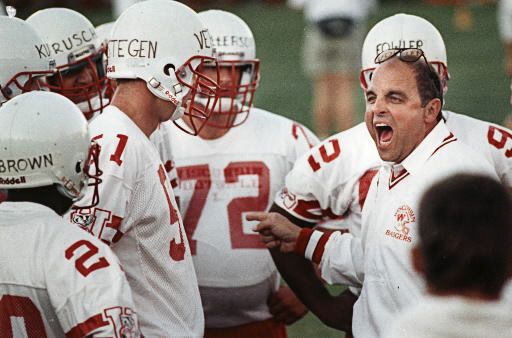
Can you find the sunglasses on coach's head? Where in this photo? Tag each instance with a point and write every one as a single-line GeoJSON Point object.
{"type": "Point", "coordinates": [404, 54]}
{"type": "Point", "coordinates": [408, 55]}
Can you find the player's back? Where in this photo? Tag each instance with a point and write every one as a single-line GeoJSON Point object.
{"type": "Point", "coordinates": [56, 280]}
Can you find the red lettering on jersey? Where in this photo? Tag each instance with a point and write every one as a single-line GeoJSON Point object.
{"type": "Point", "coordinates": [503, 137]}
{"type": "Point", "coordinates": [80, 262]}
{"type": "Point", "coordinates": [176, 250]}
{"type": "Point", "coordinates": [326, 157]}
{"type": "Point", "coordinates": [17, 306]}
{"type": "Point", "coordinates": [295, 132]}
{"type": "Point", "coordinates": [364, 185]}
{"type": "Point", "coordinates": [237, 206]}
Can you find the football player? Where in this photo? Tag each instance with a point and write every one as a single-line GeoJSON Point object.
{"type": "Point", "coordinates": [236, 165]}
{"type": "Point", "coordinates": [55, 280]}
{"type": "Point", "coordinates": [156, 70]}
{"type": "Point", "coordinates": [24, 61]}
{"type": "Point", "coordinates": [333, 180]}
{"type": "Point", "coordinates": [78, 52]}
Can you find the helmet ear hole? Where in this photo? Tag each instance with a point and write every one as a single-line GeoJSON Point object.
{"type": "Point", "coordinates": [167, 67]}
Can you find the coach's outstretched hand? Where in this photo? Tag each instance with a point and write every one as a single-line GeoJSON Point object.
{"type": "Point", "coordinates": [275, 230]}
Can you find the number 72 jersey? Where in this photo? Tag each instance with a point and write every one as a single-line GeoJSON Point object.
{"type": "Point", "coordinates": [222, 179]}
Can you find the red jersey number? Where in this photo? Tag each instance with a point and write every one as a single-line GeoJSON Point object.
{"type": "Point", "coordinates": [326, 155]}
{"type": "Point", "coordinates": [235, 208]}
{"type": "Point", "coordinates": [25, 309]}
{"type": "Point", "coordinates": [176, 250]}
{"type": "Point", "coordinates": [499, 138]}
{"type": "Point", "coordinates": [85, 268]}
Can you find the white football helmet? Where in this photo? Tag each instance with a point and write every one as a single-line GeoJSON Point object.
{"type": "Point", "coordinates": [404, 31]}
{"type": "Point", "coordinates": [235, 49]}
{"type": "Point", "coordinates": [45, 141]}
{"type": "Point", "coordinates": [24, 58]}
{"type": "Point", "coordinates": [164, 42]}
{"type": "Point", "coordinates": [104, 30]}
{"type": "Point", "coordinates": [78, 53]}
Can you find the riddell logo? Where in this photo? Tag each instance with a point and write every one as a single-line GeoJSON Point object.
{"type": "Point", "coordinates": [111, 69]}
{"type": "Point", "coordinates": [13, 181]}
{"type": "Point", "coordinates": [404, 216]}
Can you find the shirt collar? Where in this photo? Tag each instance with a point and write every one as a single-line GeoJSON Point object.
{"type": "Point", "coordinates": [437, 137]}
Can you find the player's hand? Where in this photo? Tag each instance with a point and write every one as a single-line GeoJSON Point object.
{"type": "Point", "coordinates": [285, 306]}
{"type": "Point", "coordinates": [275, 230]}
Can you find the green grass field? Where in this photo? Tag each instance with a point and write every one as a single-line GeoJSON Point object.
{"type": "Point", "coordinates": [478, 87]}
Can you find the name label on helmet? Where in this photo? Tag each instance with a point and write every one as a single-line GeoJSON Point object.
{"type": "Point", "coordinates": [43, 50]}
{"type": "Point", "coordinates": [203, 39]}
{"type": "Point", "coordinates": [24, 164]}
{"type": "Point", "coordinates": [232, 41]}
{"type": "Point", "coordinates": [73, 41]}
{"type": "Point", "coordinates": [386, 45]}
{"type": "Point", "coordinates": [132, 48]}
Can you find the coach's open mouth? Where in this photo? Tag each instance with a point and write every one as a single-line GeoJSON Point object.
{"type": "Point", "coordinates": [384, 133]}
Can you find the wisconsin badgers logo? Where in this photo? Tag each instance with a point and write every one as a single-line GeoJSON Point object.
{"type": "Point", "coordinates": [404, 215]}
{"type": "Point", "coordinates": [85, 221]}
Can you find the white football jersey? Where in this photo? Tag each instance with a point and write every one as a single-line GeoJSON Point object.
{"type": "Point", "coordinates": [137, 215]}
{"type": "Point", "coordinates": [222, 179]}
{"type": "Point", "coordinates": [329, 185]}
{"type": "Point", "coordinates": [57, 281]}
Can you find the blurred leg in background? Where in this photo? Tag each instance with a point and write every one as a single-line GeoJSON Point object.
{"type": "Point", "coordinates": [332, 61]}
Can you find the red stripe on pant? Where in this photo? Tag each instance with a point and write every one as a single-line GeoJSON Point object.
{"type": "Point", "coordinates": [262, 329]}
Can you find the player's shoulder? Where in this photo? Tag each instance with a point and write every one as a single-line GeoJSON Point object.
{"type": "Point", "coordinates": [262, 117]}
{"type": "Point", "coordinates": [353, 142]}
{"type": "Point", "coordinates": [113, 122]}
{"type": "Point", "coordinates": [464, 123]}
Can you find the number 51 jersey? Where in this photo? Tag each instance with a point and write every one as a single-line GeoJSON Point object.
{"type": "Point", "coordinates": [222, 179]}
{"type": "Point", "coordinates": [138, 217]}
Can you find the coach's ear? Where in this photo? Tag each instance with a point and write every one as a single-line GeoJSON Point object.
{"type": "Point", "coordinates": [417, 260]}
{"type": "Point", "coordinates": [432, 110]}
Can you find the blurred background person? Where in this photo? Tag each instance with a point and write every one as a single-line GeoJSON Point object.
{"type": "Point", "coordinates": [333, 37]}
{"type": "Point", "coordinates": [505, 30]}
{"type": "Point", "coordinates": [465, 254]}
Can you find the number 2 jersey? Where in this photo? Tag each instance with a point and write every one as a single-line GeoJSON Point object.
{"type": "Point", "coordinates": [57, 281]}
{"type": "Point", "coordinates": [219, 181]}
{"type": "Point", "coordinates": [328, 186]}
{"type": "Point", "coordinates": [138, 217]}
